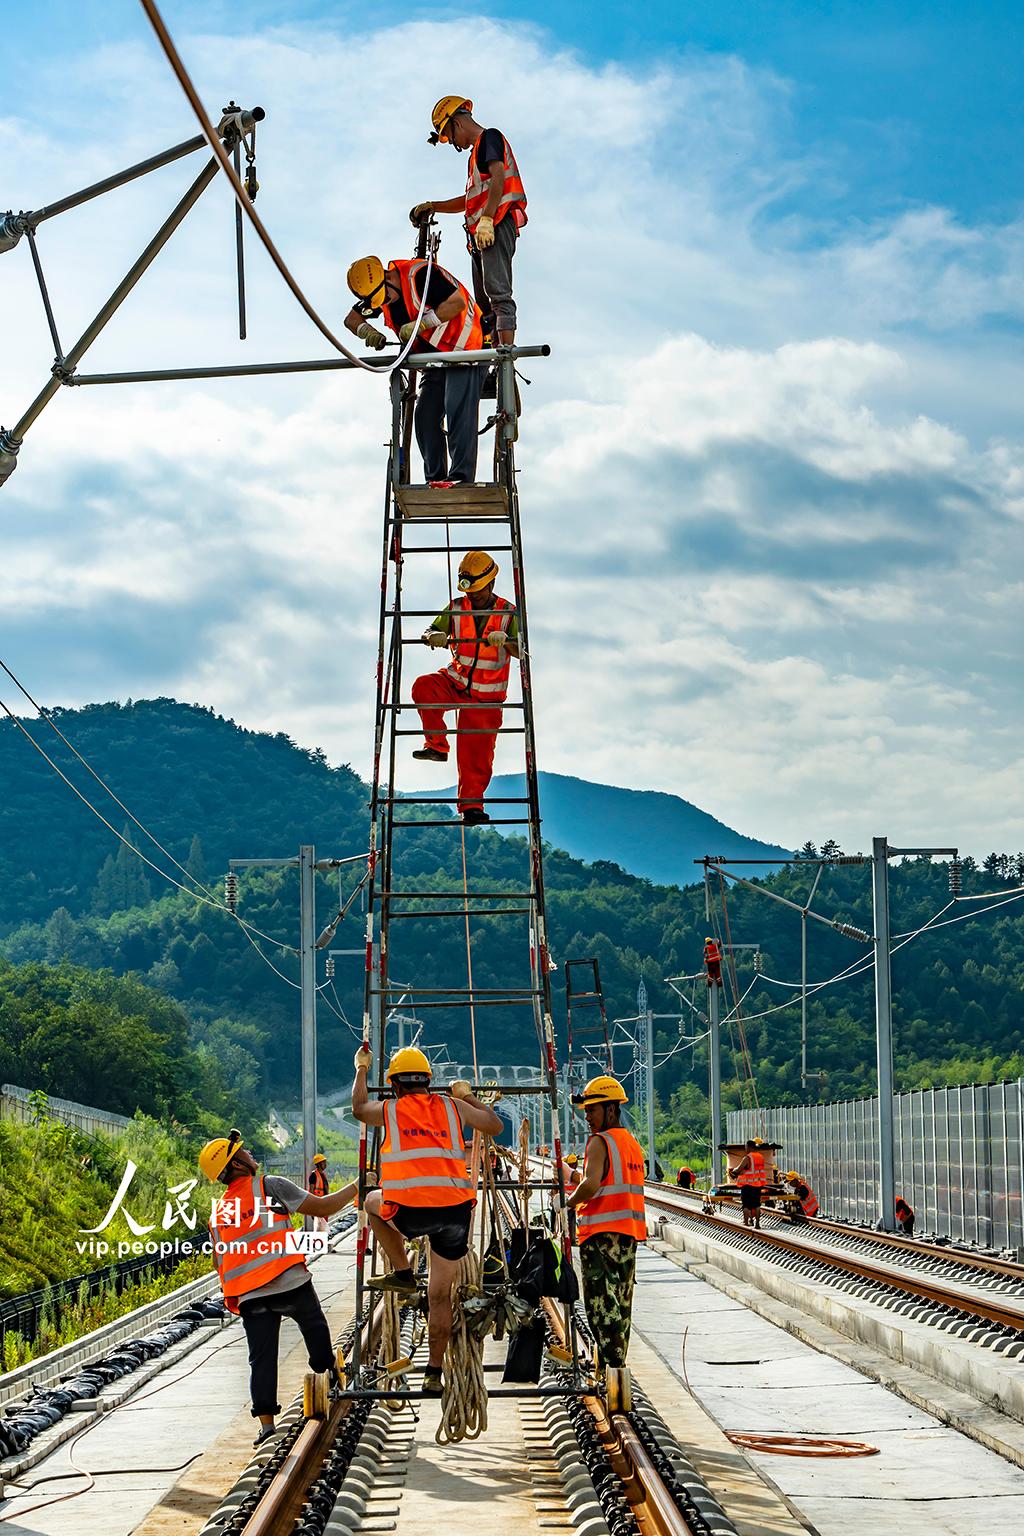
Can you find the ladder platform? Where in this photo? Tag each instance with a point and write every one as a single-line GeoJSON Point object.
{"type": "Point", "coordinates": [478, 499]}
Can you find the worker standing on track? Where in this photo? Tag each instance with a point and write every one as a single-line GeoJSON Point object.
{"type": "Point", "coordinates": [449, 323]}
{"type": "Point", "coordinates": [609, 1205]}
{"type": "Point", "coordinates": [751, 1174]}
{"type": "Point", "coordinates": [319, 1184]}
{"type": "Point", "coordinates": [804, 1193]}
{"type": "Point", "coordinates": [482, 631]}
{"type": "Point", "coordinates": [904, 1217]}
{"type": "Point", "coordinates": [494, 204]}
{"type": "Point", "coordinates": [425, 1188]}
{"type": "Point", "coordinates": [263, 1275]}
{"type": "Point", "coordinates": [685, 1178]}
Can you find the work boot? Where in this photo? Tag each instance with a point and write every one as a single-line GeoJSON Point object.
{"type": "Point", "coordinates": [433, 1386]}
{"type": "Point", "coordinates": [430, 755]}
{"type": "Point", "coordinates": [402, 1282]}
{"type": "Point", "coordinates": [474, 815]}
{"type": "Point", "coordinates": [265, 1434]}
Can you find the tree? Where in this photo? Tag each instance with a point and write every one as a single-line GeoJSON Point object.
{"type": "Point", "coordinates": [122, 881]}
{"type": "Point", "coordinates": [808, 851]}
{"type": "Point", "coordinates": [831, 849]}
{"type": "Point", "coordinates": [196, 861]}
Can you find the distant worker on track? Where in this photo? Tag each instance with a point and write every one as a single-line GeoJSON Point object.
{"type": "Point", "coordinates": [262, 1275]}
{"type": "Point", "coordinates": [450, 323]}
{"type": "Point", "coordinates": [686, 1178]}
{"type": "Point", "coordinates": [904, 1217]}
{"type": "Point", "coordinates": [751, 1174]}
{"type": "Point", "coordinates": [494, 205]}
{"type": "Point", "coordinates": [713, 962]}
{"type": "Point", "coordinates": [482, 631]}
{"type": "Point", "coordinates": [425, 1188]}
{"type": "Point", "coordinates": [319, 1184]}
{"type": "Point", "coordinates": [611, 1222]}
{"type": "Point", "coordinates": [804, 1193]}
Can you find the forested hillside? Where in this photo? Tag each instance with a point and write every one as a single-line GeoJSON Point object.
{"type": "Point", "coordinates": [210, 791]}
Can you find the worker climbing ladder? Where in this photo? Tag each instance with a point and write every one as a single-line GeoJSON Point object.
{"type": "Point", "coordinates": [426, 528]}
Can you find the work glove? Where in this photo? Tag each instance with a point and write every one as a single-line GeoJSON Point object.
{"type": "Point", "coordinates": [407, 330]}
{"type": "Point", "coordinates": [435, 638]}
{"type": "Point", "coordinates": [373, 338]}
{"type": "Point", "coordinates": [460, 1089]}
{"type": "Point", "coordinates": [498, 638]}
{"type": "Point", "coordinates": [419, 212]}
{"type": "Point", "coordinates": [363, 1058]}
{"type": "Point", "coordinates": [484, 233]}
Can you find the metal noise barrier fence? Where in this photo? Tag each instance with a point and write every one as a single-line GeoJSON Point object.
{"type": "Point", "coordinates": [959, 1157]}
{"type": "Point", "coordinates": [16, 1104]}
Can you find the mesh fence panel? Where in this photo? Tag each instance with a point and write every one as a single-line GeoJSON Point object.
{"type": "Point", "coordinates": [959, 1157]}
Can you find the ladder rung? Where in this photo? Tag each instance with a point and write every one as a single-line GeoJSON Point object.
{"type": "Point", "coordinates": [394, 917]}
{"type": "Point", "coordinates": [455, 730]}
{"type": "Point", "coordinates": [453, 549]}
{"type": "Point", "coordinates": [582, 997]}
{"type": "Point", "coordinates": [456, 821]}
{"type": "Point", "coordinates": [469, 704]}
{"type": "Point", "coordinates": [395, 986]}
{"type": "Point", "coordinates": [485, 498]}
{"type": "Point", "coordinates": [486, 1002]}
{"type": "Point", "coordinates": [447, 800]}
{"type": "Point", "coordinates": [432, 613]}
{"type": "Point", "coordinates": [450, 894]}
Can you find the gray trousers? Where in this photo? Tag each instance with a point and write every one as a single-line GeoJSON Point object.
{"type": "Point", "coordinates": [492, 279]}
{"type": "Point", "coordinates": [449, 395]}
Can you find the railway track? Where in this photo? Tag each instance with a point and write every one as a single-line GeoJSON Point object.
{"type": "Point", "coordinates": [952, 1297]}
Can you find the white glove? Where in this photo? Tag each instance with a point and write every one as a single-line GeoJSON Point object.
{"type": "Point", "coordinates": [484, 233]}
{"type": "Point", "coordinates": [498, 638]}
{"type": "Point", "coordinates": [435, 638]}
{"type": "Point", "coordinates": [373, 338]}
{"type": "Point", "coordinates": [460, 1089]}
{"type": "Point", "coordinates": [406, 331]}
{"type": "Point", "coordinates": [363, 1059]}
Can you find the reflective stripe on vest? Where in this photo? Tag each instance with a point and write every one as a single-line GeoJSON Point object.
{"type": "Point", "coordinates": [481, 669]}
{"type": "Point", "coordinates": [243, 1267]}
{"type": "Point", "coordinates": [463, 334]}
{"type": "Point", "coordinates": [809, 1204]}
{"type": "Point", "coordinates": [478, 186]}
{"type": "Point", "coordinates": [757, 1173]}
{"type": "Point", "coordinates": [318, 1182]}
{"type": "Point", "coordinates": [423, 1158]}
{"type": "Point", "coordinates": [618, 1205]}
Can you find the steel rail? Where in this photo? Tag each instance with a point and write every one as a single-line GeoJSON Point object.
{"type": "Point", "coordinates": [912, 1247]}
{"type": "Point", "coordinates": [883, 1274]}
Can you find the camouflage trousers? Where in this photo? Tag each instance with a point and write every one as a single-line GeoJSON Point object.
{"type": "Point", "coordinates": [608, 1263]}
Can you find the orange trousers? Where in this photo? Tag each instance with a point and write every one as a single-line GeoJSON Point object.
{"type": "Point", "coordinates": [433, 694]}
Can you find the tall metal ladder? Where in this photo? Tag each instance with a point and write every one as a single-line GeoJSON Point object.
{"type": "Point", "coordinates": [587, 1037]}
{"type": "Point", "coordinates": [421, 523]}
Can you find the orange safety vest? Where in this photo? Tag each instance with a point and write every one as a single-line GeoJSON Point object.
{"type": "Point", "coordinates": [478, 186]}
{"type": "Point", "coordinates": [318, 1182]}
{"type": "Point", "coordinates": [686, 1173]}
{"type": "Point", "coordinates": [423, 1158]}
{"type": "Point", "coordinates": [483, 670]}
{"type": "Point", "coordinates": [712, 952]}
{"type": "Point", "coordinates": [809, 1204]}
{"type": "Point", "coordinates": [757, 1173]}
{"type": "Point", "coordinates": [257, 1247]}
{"type": "Point", "coordinates": [463, 334]}
{"type": "Point", "coordinates": [618, 1206]}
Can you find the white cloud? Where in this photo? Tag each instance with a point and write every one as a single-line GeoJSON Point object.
{"type": "Point", "coordinates": [736, 475]}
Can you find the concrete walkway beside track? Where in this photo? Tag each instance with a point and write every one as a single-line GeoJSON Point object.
{"type": "Point", "coordinates": [164, 1460]}
{"type": "Point", "coordinates": [753, 1376]}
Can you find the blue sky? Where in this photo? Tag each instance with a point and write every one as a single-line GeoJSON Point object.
{"type": "Point", "coordinates": [779, 253]}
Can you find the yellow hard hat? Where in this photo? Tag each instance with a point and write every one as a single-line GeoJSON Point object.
{"type": "Point", "coordinates": [572, 1159]}
{"type": "Point", "coordinates": [476, 570]}
{"type": "Point", "coordinates": [409, 1061]}
{"type": "Point", "coordinates": [318, 1157]}
{"type": "Point", "coordinates": [216, 1155]}
{"type": "Point", "coordinates": [792, 1177]}
{"type": "Point", "coordinates": [366, 280]}
{"type": "Point", "coordinates": [442, 115]}
{"type": "Point", "coordinates": [601, 1090]}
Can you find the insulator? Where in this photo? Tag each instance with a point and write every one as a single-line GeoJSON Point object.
{"type": "Point", "coordinates": [758, 962]}
{"type": "Point", "coordinates": [849, 932]}
{"type": "Point", "coordinates": [330, 967]}
{"type": "Point", "coordinates": [956, 877]}
{"type": "Point", "coordinates": [231, 892]}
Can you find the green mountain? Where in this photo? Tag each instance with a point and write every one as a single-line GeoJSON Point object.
{"type": "Point", "coordinates": [649, 833]}
{"type": "Point", "coordinates": [72, 896]}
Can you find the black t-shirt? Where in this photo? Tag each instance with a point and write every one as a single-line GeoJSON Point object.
{"type": "Point", "coordinates": [439, 288]}
{"type": "Point", "coordinates": [490, 147]}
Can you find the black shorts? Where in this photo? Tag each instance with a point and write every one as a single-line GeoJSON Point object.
{"type": "Point", "coordinates": [446, 1227]}
{"type": "Point", "coordinates": [750, 1197]}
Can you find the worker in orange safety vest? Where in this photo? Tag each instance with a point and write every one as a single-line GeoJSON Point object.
{"type": "Point", "coordinates": [262, 1271]}
{"type": "Point", "coordinates": [450, 322]}
{"type": "Point", "coordinates": [611, 1222]}
{"type": "Point", "coordinates": [425, 1189]}
{"type": "Point", "coordinates": [482, 632]}
{"type": "Point", "coordinates": [804, 1193]}
{"type": "Point", "coordinates": [751, 1174]}
{"type": "Point", "coordinates": [904, 1217]}
{"type": "Point", "coordinates": [494, 205]}
{"type": "Point", "coordinates": [686, 1178]}
{"type": "Point", "coordinates": [713, 962]}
